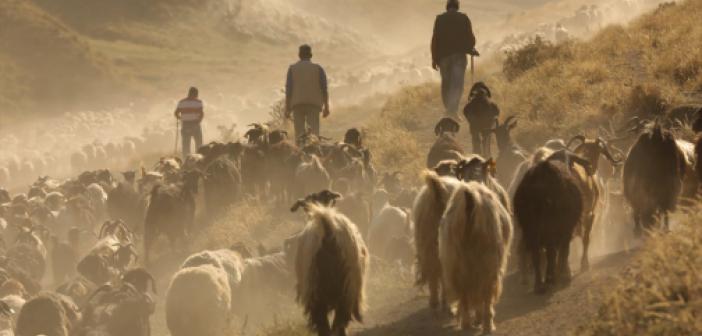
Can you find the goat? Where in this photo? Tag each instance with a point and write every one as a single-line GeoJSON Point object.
{"type": "Point", "coordinates": [171, 212]}
{"type": "Point", "coordinates": [591, 186]}
{"type": "Point", "coordinates": [311, 176]}
{"type": "Point", "coordinates": [445, 147]}
{"type": "Point", "coordinates": [653, 175]}
{"type": "Point", "coordinates": [483, 171]}
{"type": "Point", "coordinates": [124, 202]}
{"type": "Point", "coordinates": [118, 310]}
{"type": "Point", "coordinates": [325, 197]}
{"type": "Point", "coordinates": [428, 208]}
{"type": "Point", "coordinates": [474, 243]}
{"type": "Point", "coordinates": [330, 268]}
{"type": "Point", "coordinates": [222, 185]}
{"type": "Point", "coordinates": [510, 155]}
{"type": "Point", "coordinates": [548, 205]}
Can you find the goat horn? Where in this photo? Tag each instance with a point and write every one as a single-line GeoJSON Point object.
{"type": "Point", "coordinates": [580, 137]}
{"type": "Point", "coordinates": [509, 119]}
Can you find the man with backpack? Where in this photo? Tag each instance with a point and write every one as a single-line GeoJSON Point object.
{"type": "Point", "coordinates": [453, 38]}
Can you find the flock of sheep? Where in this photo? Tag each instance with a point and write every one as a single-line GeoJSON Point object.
{"type": "Point", "coordinates": [459, 229]}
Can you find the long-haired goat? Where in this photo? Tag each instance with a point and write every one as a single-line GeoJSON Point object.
{"type": "Point", "coordinates": [474, 244]}
{"type": "Point", "coordinates": [428, 208]}
{"type": "Point", "coordinates": [330, 267]}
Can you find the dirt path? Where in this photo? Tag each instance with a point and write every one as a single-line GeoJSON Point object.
{"type": "Point", "coordinates": [519, 312]}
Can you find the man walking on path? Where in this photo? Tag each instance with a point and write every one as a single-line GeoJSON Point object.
{"type": "Point", "coordinates": [306, 93]}
{"type": "Point", "coordinates": [453, 39]}
{"type": "Point", "coordinates": [190, 112]}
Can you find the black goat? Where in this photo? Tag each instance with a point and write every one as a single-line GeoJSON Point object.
{"type": "Point", "coordinates": [548, 205]}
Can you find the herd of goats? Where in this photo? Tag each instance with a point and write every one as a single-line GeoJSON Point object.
{"type": "Point", "coordinates": [457, 229]}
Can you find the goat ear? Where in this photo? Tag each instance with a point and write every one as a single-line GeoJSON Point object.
{"type": "Point", "coordinates": [513, 125]}
{"type": "Point", "coordinates": [491, 167]}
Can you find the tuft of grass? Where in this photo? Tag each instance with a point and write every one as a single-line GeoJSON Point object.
{"type": "Point", "coordinates": [660, 294]}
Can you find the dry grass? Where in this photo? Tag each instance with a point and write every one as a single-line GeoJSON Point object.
{"type": "Point", "coordinates": [661, 293]}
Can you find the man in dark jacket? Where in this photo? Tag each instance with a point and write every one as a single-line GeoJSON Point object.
{"type": "Point", "coordinates": [481, 113]}
{"type": "Point", "coordinates": [453, 39]}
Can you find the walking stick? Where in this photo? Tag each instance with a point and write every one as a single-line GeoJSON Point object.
{"type": "Point", "coordinates": [472, 69]}
{"type": "Point", "coordinates": [177, 133]}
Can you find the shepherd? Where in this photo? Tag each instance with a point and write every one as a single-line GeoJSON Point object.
{"type": "Point", "coordinates": [306, 93]}
{"type": "Point", "coordinates": [453, 38]}
{"type": "Point", "coordinates": [190, 111]}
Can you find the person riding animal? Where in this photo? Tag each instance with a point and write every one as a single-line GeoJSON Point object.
{"type": "Point", "coordinates": [481, 113]}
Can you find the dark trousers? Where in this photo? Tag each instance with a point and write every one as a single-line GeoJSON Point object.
{"type": "Point", "coordinates": [304, 117]}
{"type": "Point", "coordinates": [453, 71]}
{"type": "Point", "coordinates": [191, 131]}
{"type": "Point", "coordinates": [481, 142]}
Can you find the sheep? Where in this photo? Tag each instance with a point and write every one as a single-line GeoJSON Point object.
{"type": "Point", "coordinates": [390, 234]}
{"type": "Point", "coordinates": [47, 314]}
{"type": "Point", "coordinates": [198, 302]}
{"type": "Point", "coordinates": [311, 176]}
{"type": "Point", "coordinates": [97, 199]}
{"type": "Point", "coordinates": [548, 205]}
{"type": "Point", "coordinates": [475, 235]}
{"type": "Point", "coordinates": [29, 253]}
{"type": "Point", "coordinates": [199, 298]}
{"type": "Point", "coordinates": [445, 147]}
{"type": "Point", "coordinates": [55, 201]}
{"type": "Point", "coordinates": [330, 268]}
{"type": "Point", "coordinates": [171, 212]}
{"type": "Point", "coordinates": [428, 208]}
{"type": "Point", "coordinates": [652, 177]}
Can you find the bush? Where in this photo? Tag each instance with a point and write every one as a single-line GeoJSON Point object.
{"type": "Point", "coordinates": [661, 293]}
{"type": "Point", "coordinates": [538, 51]}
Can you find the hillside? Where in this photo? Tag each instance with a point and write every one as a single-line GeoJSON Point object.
{"type": "Point", "coordinates": [565, 90]}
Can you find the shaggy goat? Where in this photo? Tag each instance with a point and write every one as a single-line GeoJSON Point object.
{"type": "Point", "coordinates": [330, 267]}
{"type": "Point", "coordinates": [653, 174]}
{"type": "Point", "coordinates": [474, 243]}
{"type": "Point", "coordinates": [445, 147]}
{"type": "Point", "coordinates": [548, 205]}
{"type": "Point", "coordinates": [428, 208]}
{"type": "Point", "coordinates": [121, 310]}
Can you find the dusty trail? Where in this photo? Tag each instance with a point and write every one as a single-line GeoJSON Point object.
{"type": "Point", "coordinates": [519, 312]}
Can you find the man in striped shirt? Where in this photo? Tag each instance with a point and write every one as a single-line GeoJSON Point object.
{"type": "Point", "coordinates": [190, 112]}
{"type": "Point", "coordinates": [306, 93]}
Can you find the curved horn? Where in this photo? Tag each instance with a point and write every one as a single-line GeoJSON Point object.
{"type": "Point", "coordinates": [604, 147]}
{"type": "Point", "coordinates": [580, 138]}
{"type": "Point", "coordinates": [509, 120]}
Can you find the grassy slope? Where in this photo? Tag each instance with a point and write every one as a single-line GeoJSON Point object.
{"type": "Point", "coordinates": [575, 89]}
